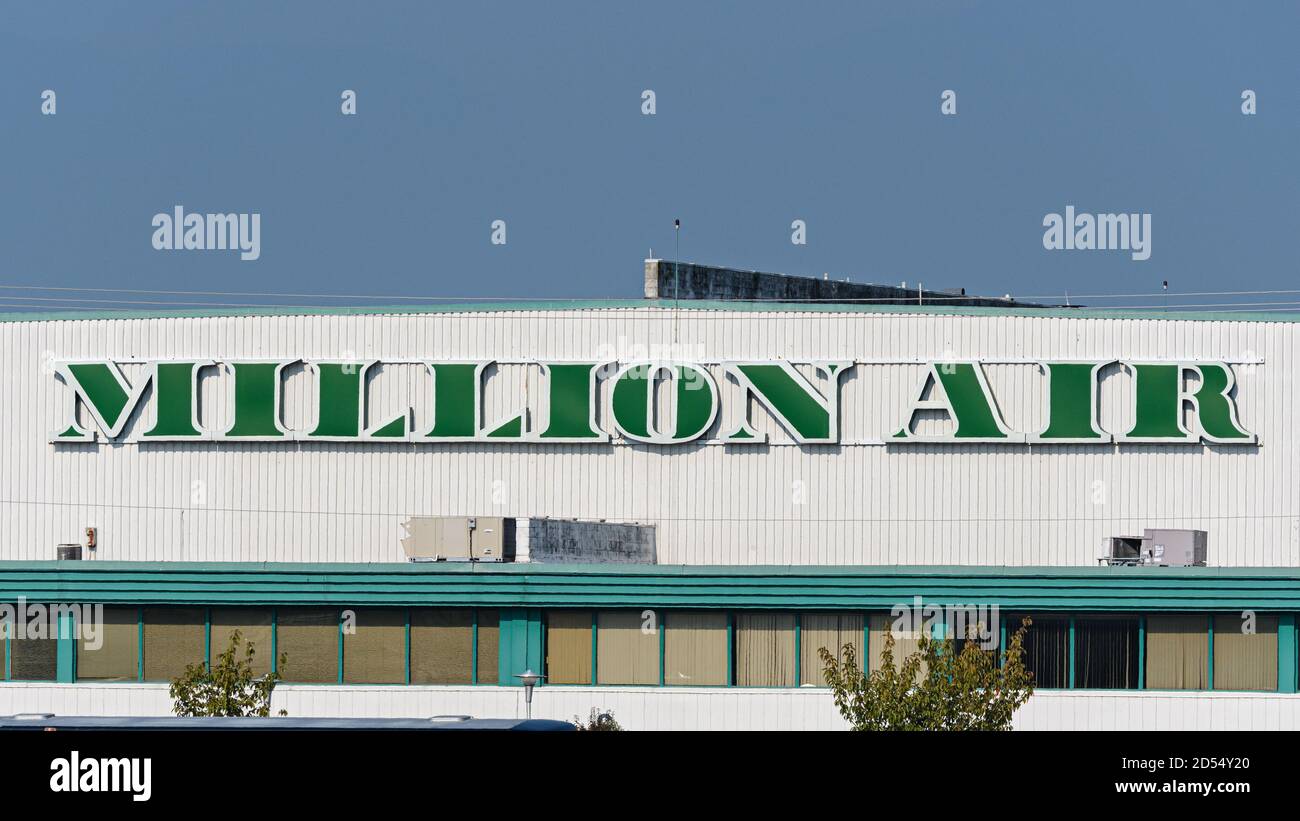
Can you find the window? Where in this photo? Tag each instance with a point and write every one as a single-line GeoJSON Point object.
{"type": "Point", "coordinates": [1047, 651]}
{"type": "Point", "coordinates": [994, 652]}
{"type": "Point", "coordinates": [905, 642]}
{"type": "Point", "coordinates": [970, 625]}
{"type": "Point", "coordinates": [764, 649]}
{"type": "Point", "coordinates": [33, 659]}
{"type": "Point", "coordinates": [375, 651]}
{"type": "Point", "coordinates": [695, 649]}
{"type": "Point", "coordinates": [1178, 653]}
{"type": "Point", "coordinates": [1106, 653]}
{"type": "Point", "coordinates": [568, 647]}
{"type": "Point", "coordinates": [442, 646]}
{"type": "Point", "coordinates": [253, 624]}
{"type": "Point", "coordinates": [627, 648]}
{"type": "Point", "coordinates": [174, 637]}
{"type": "Point", "coordinates": [113, 652]}
{"type": "Point", "coordinates": [1245, 661]}
{"type": "Point", "coordinates": [309, 637]}
{"type": "Point", "coordinates": [832, 631]}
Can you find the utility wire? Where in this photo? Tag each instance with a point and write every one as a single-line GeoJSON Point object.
{"type": "Point", "coordinates": [430, 298]}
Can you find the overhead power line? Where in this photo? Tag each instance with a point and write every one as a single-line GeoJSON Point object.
{"type": "Point", "coordinates": [930, 297]}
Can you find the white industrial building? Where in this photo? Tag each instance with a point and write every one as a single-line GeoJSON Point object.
{"type": "Point", "coordinates": [799, 469]}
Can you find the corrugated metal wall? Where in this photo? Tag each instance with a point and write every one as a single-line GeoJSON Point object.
{"type": "Point", "coordinates": [855, 503]}
{"type": "Point", "coordinates": [677, 708]}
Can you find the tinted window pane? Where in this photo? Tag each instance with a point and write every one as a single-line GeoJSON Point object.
{"type": "Point", "coordinates": [253, 624]}
{"type": "Point", "coordinates": [174, 637]}
{"type": "Point", "coordinates": [309, 637]}
{"type": "Point", "coordinates": [375, 652]}
{"type": "Point", "coordinates": [112, 653]}
{"type": "Point", "coordinates": [442, 646]}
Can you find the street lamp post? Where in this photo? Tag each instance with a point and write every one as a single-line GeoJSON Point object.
{"type": "Point", "coordinates": [530, 680]}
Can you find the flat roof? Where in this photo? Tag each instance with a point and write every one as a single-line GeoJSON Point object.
{"type": "Point", "coordinates": [733, 306]}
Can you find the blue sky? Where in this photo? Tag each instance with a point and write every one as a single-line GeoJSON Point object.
{"type": "Point", "coordinates": [531, 113]}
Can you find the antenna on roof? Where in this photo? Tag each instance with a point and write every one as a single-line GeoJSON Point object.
{"type": "Point", "coordinates": [677, 254]}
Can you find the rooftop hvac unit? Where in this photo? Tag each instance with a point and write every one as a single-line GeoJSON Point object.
{"type": "Point", "coordinates": [1176, 548]}
{"type": "Point", "coordinates": [1160, 547]}
{"type": "Point", "coordinates": [1122, 550]}
{"type": "Point", "coordinates": [459, 538]}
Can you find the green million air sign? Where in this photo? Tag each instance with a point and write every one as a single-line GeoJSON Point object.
{"type": "Point", "coordinates": [1173, 401]}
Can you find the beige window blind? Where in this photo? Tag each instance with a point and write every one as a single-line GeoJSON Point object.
{"type": "Point", "coordinates": [309, 637]}
{"type": "Point", "coordinates": [764, 649]}
{"type": "Point", "coordinates": [375, 652]}
{"type": "Point", "coordinates": [442, 645]}
{"type": "Point", "coordinates": [695, 649]}
{"type": "Point", "coordinates": [568, 647]}
{"type": "Point", "coordinates": [253, 624]}
{"type": "Point", "coordinates": [174, 637]}
{"type": "Point", "coordinates": [627, 649]}
{"type": "Point", "coordinates": [1178, 653]}
{"type": "Point", "coordinates": [1245, 661]}
{"type": "Point", "coordinates": [832, 631]}
{"type": "Point", "coordinates": [117, 656]}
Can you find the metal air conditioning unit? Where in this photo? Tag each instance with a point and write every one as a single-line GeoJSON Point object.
{"type": "Point", "coordinates": [1122, 550]}
{"type": "Point", "coordinates": [459, 538]}
{"type": "Point", "coordinates": [1176, 548]}
{"type": "Point", "coordinates": [1159, 547]}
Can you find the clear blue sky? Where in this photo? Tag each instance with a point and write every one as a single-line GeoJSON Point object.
{"type": "Point", "coordinates": [530, 112]}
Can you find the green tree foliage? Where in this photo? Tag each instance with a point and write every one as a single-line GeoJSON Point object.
{"type": "Point", "coordinates": [227, 688]}
{"type": "Point", "coordinates": [933, 688]}
{"type": "Point", "coordinates": [598, 721]}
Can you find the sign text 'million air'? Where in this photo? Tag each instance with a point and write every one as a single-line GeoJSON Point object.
{"type": "Point", "coordinates": [1173, 401]}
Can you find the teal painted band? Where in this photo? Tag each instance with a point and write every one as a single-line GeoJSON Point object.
{"type": "Point", "coordinates": [66, 649]}
{"type": "Point", "coordinates": [655, 586]}
{"type": "Point", "coordinates": [866, 643]}
{"type": "Point", "coordinates": [1002, 643]}
{"type": "Point", "coordinates": [1286, 653]}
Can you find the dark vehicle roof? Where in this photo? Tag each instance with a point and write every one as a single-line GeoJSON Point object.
{"type": "Point", "coordinates": [43, 721]}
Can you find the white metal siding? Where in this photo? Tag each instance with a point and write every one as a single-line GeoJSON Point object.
{"type": "Point", "coordinates": [713, 504]}
{"type": "Point", "coordinates": [677, 709]}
